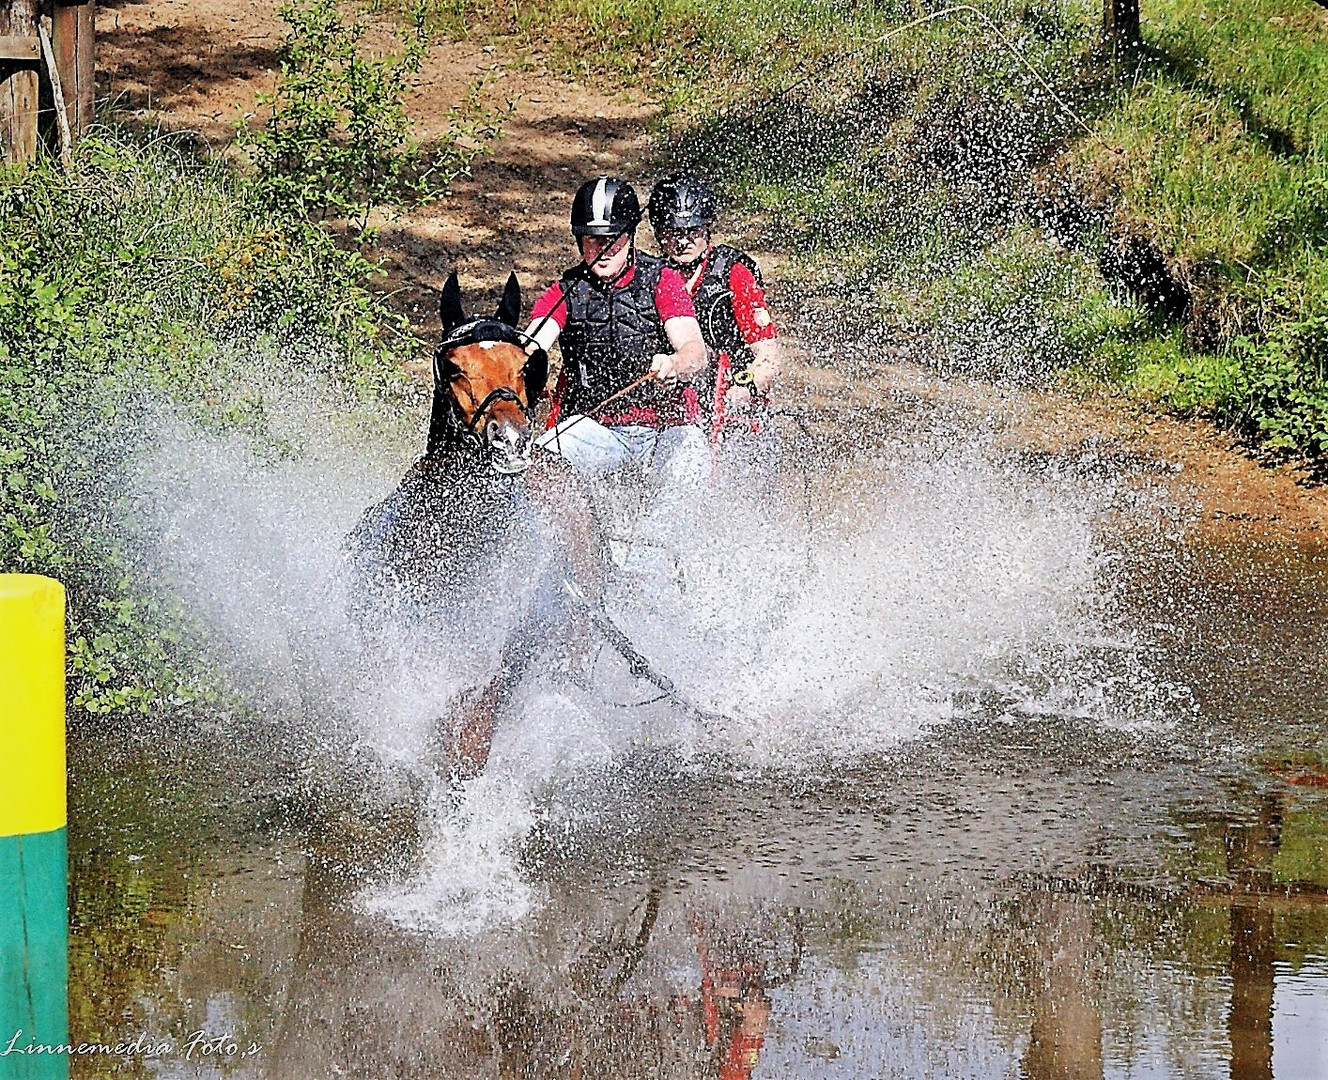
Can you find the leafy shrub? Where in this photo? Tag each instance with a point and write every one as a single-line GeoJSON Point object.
{"type": "Point", "coordinates": [1287, 394]}
{"type": "Point", "coordinates": [140, 277]}
{"type": "Point", "coordinates": [1273, 389]}
{"type": "Point", "coordinates": [336, 138]}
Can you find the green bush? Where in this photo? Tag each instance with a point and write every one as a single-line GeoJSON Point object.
{"type": "Point", "coordinates": [335, 137]}
{"type": "Point", "coordinates": [1272, 388]}
{"type": "Point", "coordinates": [142, 277]}
{"type": "Point", "coordinates": [1287, 374]}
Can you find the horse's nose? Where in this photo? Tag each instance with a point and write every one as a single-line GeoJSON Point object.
{"type": "Point", "coordinates": [509, 443]}
{"type": "Point", "coordinates": [503, 434]}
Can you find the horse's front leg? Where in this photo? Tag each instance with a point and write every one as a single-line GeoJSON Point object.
{"type": "Point", "coordinates": [472, 725]}
{"type": "Point", "coordinates": [475, 717]}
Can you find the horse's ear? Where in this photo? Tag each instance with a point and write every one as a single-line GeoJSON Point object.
{"type": "Point", "coordinates": [449, 304]}
{"type": "Point", "coordinates": [509, 310]}
{"type": "Point", "coordinates": [535, 375]}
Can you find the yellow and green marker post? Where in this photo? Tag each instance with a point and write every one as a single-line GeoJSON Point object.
{"type": "Point", "coordinates": [34, 975]}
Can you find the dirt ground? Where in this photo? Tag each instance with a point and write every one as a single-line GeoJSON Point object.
{"type": "Point", "coordinates": [198, 65]}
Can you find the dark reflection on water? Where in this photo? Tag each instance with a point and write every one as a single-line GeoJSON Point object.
{"type": "Point", "coordinates": [1036, 898]}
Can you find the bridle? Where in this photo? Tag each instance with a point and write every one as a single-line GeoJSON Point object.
{"type": "Point", "coordinates": [462, 433]}
{"type": "Point", "coordinates": [468, 430]}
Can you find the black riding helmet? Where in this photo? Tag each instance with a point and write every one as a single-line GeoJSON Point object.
{"type": "Point", "coordinates": [606, 206]}
{"type": "Point", "coordinates": [681, 202]}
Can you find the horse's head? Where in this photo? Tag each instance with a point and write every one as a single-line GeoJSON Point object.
{"type": "Point", "coordinates": [486, 385]}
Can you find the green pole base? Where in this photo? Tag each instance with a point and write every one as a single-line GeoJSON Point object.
{"type": "Point", "coordinates": [34, 956]}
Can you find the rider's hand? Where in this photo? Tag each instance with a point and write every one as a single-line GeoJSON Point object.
{"type": "Point", "coordinates": [664, 367]}
{"type": "Point", "coordinates": [737, 399]}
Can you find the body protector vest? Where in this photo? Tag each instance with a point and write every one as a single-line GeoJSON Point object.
{"type": "Point", "coordinates": [610, 336]}
{"type": "Point", "coordinates": [714, 311]}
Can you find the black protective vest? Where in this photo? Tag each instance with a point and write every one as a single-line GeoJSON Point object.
{"type": "Point", "coordinates": [610, 336]}
{"type": "Point", "coordinates": [714, 311]}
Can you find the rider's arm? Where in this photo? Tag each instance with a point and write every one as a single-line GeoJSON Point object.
{"type": "Point", "coordinates": [676, 312]}
{"type": "Point", "coordinates": [756, 326]}
{"type": "Point", "coordinates": [767, 363]}
{"type": "Point", "coordinates": [545, 327]}
{"type": "Point", "coordinates": [689, 352]}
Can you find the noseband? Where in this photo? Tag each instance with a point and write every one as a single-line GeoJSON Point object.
{"type": "Point", "coordinates": [502, 393]}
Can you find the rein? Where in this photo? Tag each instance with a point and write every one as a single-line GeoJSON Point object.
{"type": "Point", "coordinates": [501, 393]}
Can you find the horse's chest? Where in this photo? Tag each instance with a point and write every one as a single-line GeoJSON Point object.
{"type": "Point", "coordinates": [449, 537]}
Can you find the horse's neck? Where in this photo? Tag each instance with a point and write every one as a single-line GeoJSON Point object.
{"type": "Point", "coordinates": [459, 482]}
{"type": "Point", "coordinates": [451, 461]}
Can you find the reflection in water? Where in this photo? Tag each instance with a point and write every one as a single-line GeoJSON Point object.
{"type": "Point", "coordinates": [1250, 848]}
{"type": "Point", "coordinates": [1251, 1020]}
{"type": "Point", "coordinates": [1065, 1040]}
{"type": "Point", "coordinates": [734, 967]}
{"type": "Point", "coordinates": [738, 970]}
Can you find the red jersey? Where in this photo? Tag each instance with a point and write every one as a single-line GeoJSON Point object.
{"type": "Point", "coordinates": [749, 306]}
{"type": "Point", "coordinates": [751, 318]}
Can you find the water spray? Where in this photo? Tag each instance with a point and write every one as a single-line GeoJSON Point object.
{"type": "Point", "coordinates": [958, 9]}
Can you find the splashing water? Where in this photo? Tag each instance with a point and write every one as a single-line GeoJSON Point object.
{"type": "Point", "coordinates": [925, 582]}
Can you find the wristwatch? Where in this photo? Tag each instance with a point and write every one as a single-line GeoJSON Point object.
{"type": "Point", "coordinates": [747, 379]}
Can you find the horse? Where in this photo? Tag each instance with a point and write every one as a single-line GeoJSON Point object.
{"type": "Point", "coordinates": [482, 476]}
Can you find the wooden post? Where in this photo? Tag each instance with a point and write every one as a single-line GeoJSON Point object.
{"type": "Point", "coordinates": [19, 67]}
{"type": "Point", "coordinates": [74, 40]}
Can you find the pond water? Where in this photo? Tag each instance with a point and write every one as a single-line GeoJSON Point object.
{"type": "Point", "coordinates": [1016, 784]}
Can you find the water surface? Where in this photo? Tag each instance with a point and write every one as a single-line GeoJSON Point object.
{"type": "Point", "coordinates": [1017, 784]}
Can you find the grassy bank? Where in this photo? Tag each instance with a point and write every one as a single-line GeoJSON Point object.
{"type": "Point", "coordinates": [1223, 169]}
{"type": "Point", "coordinates": [1002, 195]}
{"type": "Point", "coordinates": [144, 281]}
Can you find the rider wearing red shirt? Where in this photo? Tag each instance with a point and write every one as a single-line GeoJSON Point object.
{"type": "Point", "coordinates": [726, 288]}
{"type": "Point", "coordinates": [671, 301]}
{"type": "Point", "coordinates": [621, 316]}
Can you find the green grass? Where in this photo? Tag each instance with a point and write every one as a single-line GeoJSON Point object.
{"type": "Point", "coordinates": [1224, 133]}
{"type": "Point", "coordinates": [1225, 138]}
{"type": "Point", "coordinates": [928, 174]}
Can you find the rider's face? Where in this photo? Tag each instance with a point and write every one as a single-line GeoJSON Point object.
{"type": "Point", "coordinates": [684, 246]}
{"type": "Point", "coordinates": [606, 255]}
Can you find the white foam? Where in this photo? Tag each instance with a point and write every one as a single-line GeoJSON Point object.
{"type": "Point", "coordinates": [929, 582]}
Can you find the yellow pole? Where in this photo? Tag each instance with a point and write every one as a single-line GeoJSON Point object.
{"type": "Point", "coordinates": [34, 980]}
